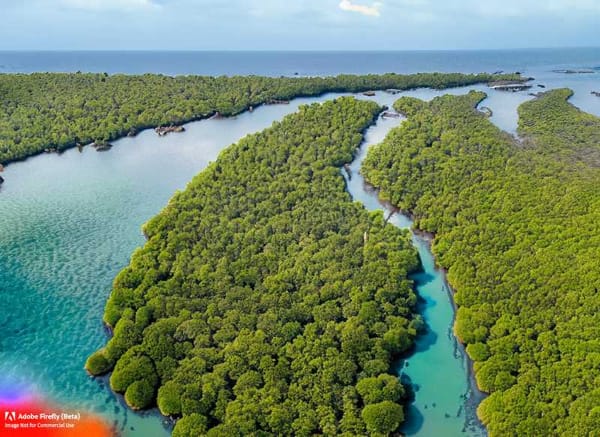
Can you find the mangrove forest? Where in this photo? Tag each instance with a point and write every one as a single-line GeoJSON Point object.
{"type": "Point", "coordinates": [55, 111]}
{"type": "Point", "coordinates": [517, 226]}
{"type": "Point", "coordinates": [266, 301]}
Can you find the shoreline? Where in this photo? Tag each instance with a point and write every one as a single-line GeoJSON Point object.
{"type": "Point", "coordinates": [119, 136]}
{"type": "Point", "coordinates": [250, 106]}
{"type": "Point", "coordinates": [471, 397]}
{"type": "Point", "coordinates": [476, 395]}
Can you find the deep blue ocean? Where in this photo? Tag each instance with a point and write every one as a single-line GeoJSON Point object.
{"type": "Point", "coordinates": [303, 63]}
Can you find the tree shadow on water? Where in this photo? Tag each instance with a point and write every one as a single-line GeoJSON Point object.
{"type": "Point", "coordinates": [422, 278]}
{"type": "Point", "coordinates": [426, 336]}
{"type": "Point", "coordinates": [424, 340]}
{"type": "Point", "coordinates": [424, 303]}
{"type": "Point", "coordinates": [413, 420]}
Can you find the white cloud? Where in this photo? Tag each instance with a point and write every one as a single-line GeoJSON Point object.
{"type": "Point", "coordinates": [97, 5]}
{"type": "Point", "coordinates": [372, 11]}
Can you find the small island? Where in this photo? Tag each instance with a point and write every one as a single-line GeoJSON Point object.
{"type": "Point", "coordinates": [574, 71]}
{"type": "Point", "coordinates": [164, 130]}
{"type": "Point", "coordinates": [512, 86]}
{"type": "Point", "coordinates": [101, 146]}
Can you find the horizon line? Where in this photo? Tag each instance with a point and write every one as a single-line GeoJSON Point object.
{"type": "Point", "coordinates": [35, 50]}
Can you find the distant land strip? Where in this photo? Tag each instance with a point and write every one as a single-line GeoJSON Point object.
{"type": "Point", "coordinates": [51, 112]}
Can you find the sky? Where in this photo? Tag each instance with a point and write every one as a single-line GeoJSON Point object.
{"type": "Point", "coordinates": [297, 24]}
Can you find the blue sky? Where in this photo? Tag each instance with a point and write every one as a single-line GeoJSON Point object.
{"type": "Point", "coordinates": [297, 24]}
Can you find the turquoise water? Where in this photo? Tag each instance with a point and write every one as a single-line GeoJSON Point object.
{"type": "Point", "coordinates": [446, 396]}
{"type": "Point", "coordinates": [438, 368]}
{"type": "Point", "coordinates": [68, 224]}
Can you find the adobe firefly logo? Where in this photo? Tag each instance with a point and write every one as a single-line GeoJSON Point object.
{"type": "Point", "coordinates": [10, 416]}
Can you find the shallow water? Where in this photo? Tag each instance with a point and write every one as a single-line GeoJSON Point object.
{"type": "Point", "coordinates": [68, 224]}
{"type": "Point", "coordinates": [445, 394]}
{"type": "Point", "coordinates": [438, 368]}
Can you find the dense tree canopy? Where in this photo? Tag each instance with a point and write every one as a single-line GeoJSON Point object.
{"type": "Point", "coordinates": [517, 225]}
{"type": "Point", "coordinates": [56, 111]}
{"type": "Point", "coordinates": [265, 301]}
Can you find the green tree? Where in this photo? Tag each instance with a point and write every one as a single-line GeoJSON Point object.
{"type": "Point", "coordinates": [193, 425]}
{"type": "Point", "coordinates": [383, 418]}
{"type": "Point", "coordinates": [139, 394]}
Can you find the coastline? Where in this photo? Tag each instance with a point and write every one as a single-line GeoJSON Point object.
{"type": "Point", "coordinates": [168, 422]}
{"type": "Point", "coordinates": [122, 134]}
{"type": "Point", "coordinates": [273, 99]}
{"type": "Point", "coordinates": [476, 395]}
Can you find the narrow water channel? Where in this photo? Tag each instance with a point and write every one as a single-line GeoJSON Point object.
{"type": "Point", "coordinates": [438, 368]}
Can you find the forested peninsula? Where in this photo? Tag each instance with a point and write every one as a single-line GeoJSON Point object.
{"type": "Point", "coordinates": [266, 301]}
{"type": "Point", "coordinates": [517, 226]}
{"type": "Point", "coordinates": [55, 111]}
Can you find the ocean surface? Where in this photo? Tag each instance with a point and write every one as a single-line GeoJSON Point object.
{"type": "Point", "coordinates": [541, 64]}
{"type": "Point", "coordinates": [69, 222]}
{"type": "Point", "coordinates": [303, 63]}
